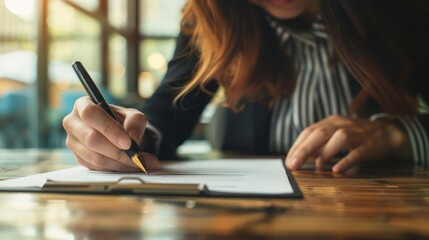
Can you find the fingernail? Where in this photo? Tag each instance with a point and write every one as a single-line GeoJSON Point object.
{"type": "Point", "coordinates": [294, 162]}
{"type": "Point", "coordinates": [124, 142]}
{"type": "Point", "coordinates": [337, 169]}
{"type": "Point", "coordinates": [134, 134]}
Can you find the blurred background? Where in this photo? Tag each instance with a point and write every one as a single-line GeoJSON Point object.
{"type": "Point", "coordinates": [125, 45]}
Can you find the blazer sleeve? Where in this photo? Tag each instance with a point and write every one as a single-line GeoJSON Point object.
{"type": "Point", "coordinates": [418, 126]}
{"type": "Point", "coordinates": [417, 130]}
{"type": "Point", "coordinates": [176, 123]}
{"type": "Point", "coordinates": [421, 126]}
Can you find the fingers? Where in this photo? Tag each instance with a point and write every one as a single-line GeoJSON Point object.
{"type": "Point", "coordinates": [366, 140]}
{"type": "Point", "coordinates": [301, 138]}
{"type": "Point", "coordinates": [308, 147]}
{"type": "Point", "coordinates": [151, 161]}
{"type": "Point", "coordinates": [96, 142]}
{"type": "Point", "coordinates": [95, 137]}
{"type": "Point", "coordinates": [134, 122]}
{"type": "Point", "coordinates": [96, 161]}
{"type": "Point", "coordinates": [333, 122]}
{"type": "Point", "coordinates": [354, 157]}
{"type": "Point", "coordinates": [343, 138]}
{"type": "Point", "coordinates": [95, 117]}
{"type": "Point", "coordinates": [323, 141]}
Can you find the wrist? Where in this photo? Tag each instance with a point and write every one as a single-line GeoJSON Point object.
{"type": "Point", "coordinates": [398, 138]}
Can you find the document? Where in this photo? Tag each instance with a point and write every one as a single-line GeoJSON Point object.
{"type": "Point", "coordinates": [234, 176]}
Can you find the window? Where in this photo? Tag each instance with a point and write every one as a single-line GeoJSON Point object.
{"type": "Point", "coordinates": [125, 45]}
{"type": "Point", "coordinates": [17, 67]}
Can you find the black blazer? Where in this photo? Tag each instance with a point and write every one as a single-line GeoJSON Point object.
{"type": "Point", "coordinates": [246, 131]}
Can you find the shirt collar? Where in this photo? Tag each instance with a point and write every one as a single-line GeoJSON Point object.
{"type": "Point", "coordinates": [308, 36]}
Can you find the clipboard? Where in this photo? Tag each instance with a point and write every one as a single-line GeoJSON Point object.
{"type": "Point", "coordinates": [140, 188]}
{"type": "Point", "coordinates": [137, 186]}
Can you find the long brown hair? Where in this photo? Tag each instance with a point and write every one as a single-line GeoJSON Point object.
{"type": "Point", "coordinates": [242, 54]}
{"type": "Point", "coordinates": [382, 44]}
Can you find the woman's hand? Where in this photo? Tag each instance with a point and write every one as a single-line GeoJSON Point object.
{"type": "Point", "coordinates": [363, 139]}
{"type": "Point", "coordinates": [98, 141]}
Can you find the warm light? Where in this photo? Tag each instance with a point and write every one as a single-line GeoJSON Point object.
{"type": "Point", "coordinates": [118, 88]}
{"type": "Point", "coordinates": [157, 61]}
{"type": "Point", "coordinates": [116, 13]}
{"type": "Point", "coordinates": [57, 232]}
{"type": "Point", "coordinates": [118, 43]}
{"type": "Point", "coordinates": [146, 84]}
{"type": "Point", "coordinates": [62, 18]}
{"type": "Point", "coordinates": [119, 70]}
{"type": "Point", "coordinates": [24, 9]}
{"type": "Point", "coordinates": [63, 85]}
{"type": "Point", "coordinates": [28, 231]}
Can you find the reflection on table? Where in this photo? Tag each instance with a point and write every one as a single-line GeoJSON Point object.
{"type": "Point", "coordinates": [387, 201]}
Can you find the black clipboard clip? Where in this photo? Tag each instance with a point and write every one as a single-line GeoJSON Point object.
{"type": "Point", "coordinates": [125, 185]}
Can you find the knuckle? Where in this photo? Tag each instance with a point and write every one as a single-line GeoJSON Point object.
{"type": "Point", "coordinates": [87, 112]}
{"type": "Point", "coordinates": [343, 135]}
{"type": "Point", "coordinates": [303, 151]}
{"type": "Point", "coordinates": [68, 142]}
{"type": "Point", "coordinates": [338, 118]}
{"type": "Point", "coordinates": [71, 144]}
{"type": "Point", "coordinates": [97, 159]}
{"type": "Point", "coordinates": [79, 104]}
{"type": "Point", "coordinates": [91, 138]}
{"type": "Point", "coordinates": [140, 117]}
{"type": "Point", "coordinates": [308, 130]}
{"type": "Point", "coordinates": [109, 127]}
{"type": "Point", "coordinates": [118, 155]}
{"type": "Point", "coordinates": [82, 101]}
{"type": "Point", "coordinates": [322, 131]}
{"type": "Point", "coordinates": [66, 122]}
{"type": "Point", "coordinates": [334, 117]}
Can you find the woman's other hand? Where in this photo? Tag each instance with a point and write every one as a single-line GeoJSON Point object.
{"type": "Point", "coordinates": [98, 141]}
{"type": "Point", "coordinates": [364, 140]}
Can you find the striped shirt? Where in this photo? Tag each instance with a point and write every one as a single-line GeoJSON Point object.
{"type": "Point", "coordinates": [322, 89]}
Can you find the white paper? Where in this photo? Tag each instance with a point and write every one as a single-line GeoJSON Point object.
{"type": "Point", "coordinates": [252, 176]}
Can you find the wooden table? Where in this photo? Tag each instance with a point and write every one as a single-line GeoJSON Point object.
{"type": "Point", "coordinates": [388, 201]}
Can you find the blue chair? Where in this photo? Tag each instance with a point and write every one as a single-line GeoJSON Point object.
{"type": "Point", "coordinates": [69, 97]}
{"type": "Point", "coordinates": [14, 111]}
{"type": "Point", "coordinates": [13, 103]}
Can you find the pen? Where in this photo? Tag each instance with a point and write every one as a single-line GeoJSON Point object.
{"type": "Point", "coordinates": [134, 151]}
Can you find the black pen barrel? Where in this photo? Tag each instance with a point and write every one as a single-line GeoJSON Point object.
{"type": "Point", "coordinates": [107, 109]}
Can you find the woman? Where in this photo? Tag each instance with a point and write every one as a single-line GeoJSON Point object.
{"type": "Point", "coordinates": [308, 79]}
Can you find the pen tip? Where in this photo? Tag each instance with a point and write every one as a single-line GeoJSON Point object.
{"type": "Point", "coordinates": [139, 160]}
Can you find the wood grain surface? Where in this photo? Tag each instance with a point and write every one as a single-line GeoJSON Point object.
{"type": "Point", "coordinates": [383, 201]}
